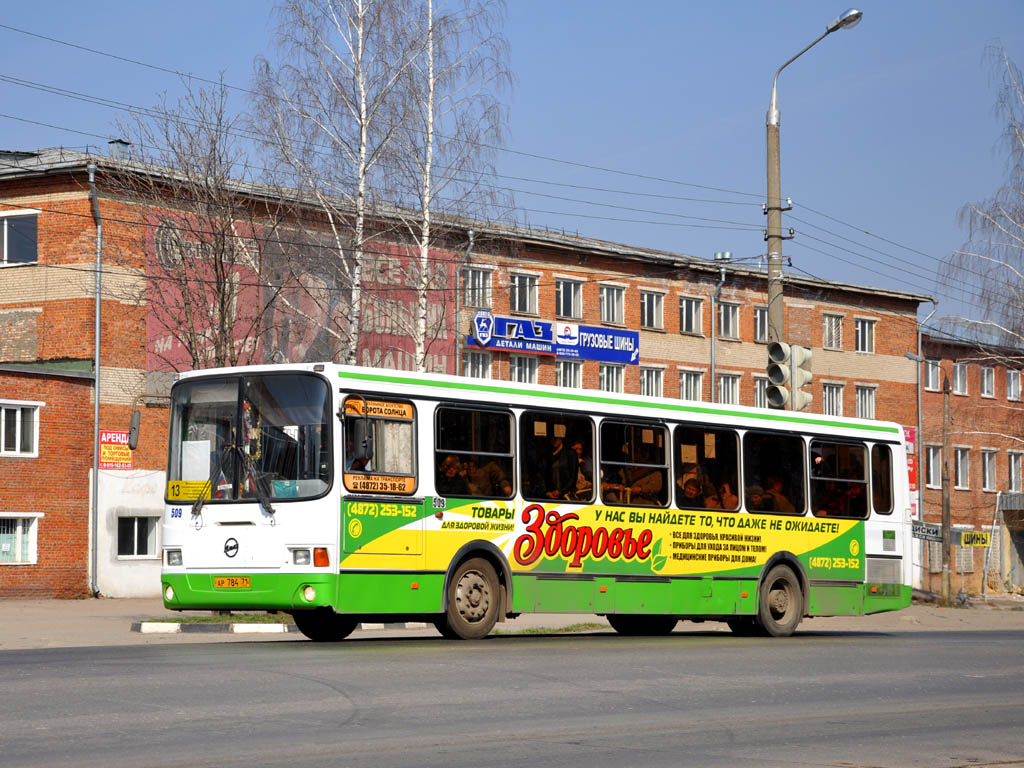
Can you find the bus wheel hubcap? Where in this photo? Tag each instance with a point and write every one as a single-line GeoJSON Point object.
{"type": "Point", "coordinates": [472, 596]}
{"type": "Point", "coordinates": [778, 602]}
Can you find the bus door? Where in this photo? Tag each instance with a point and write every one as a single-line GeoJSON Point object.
{"type": "Point", "coordinates": [380, 514]}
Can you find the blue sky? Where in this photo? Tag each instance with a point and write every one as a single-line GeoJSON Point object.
{"type": "Point", "coordinates": [886, 128]}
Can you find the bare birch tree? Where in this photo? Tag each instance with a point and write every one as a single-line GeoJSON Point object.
{"type": "Point", "coordinates": [453, 121]}
{"type": "Point", "coordinates": [203, 234]}
{"type": "Point", "coordinates": [326, 109]}
{"type": "Point", "coordinates": [988, 271]}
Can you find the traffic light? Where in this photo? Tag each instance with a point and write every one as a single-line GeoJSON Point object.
{"type": "Point", "coordinates": [789, 369]}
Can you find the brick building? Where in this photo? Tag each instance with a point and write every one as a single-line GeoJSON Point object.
{"type": "Point", "coordinates": [986, 442]}
{"type": "Point", "coordinates": [533, 306]}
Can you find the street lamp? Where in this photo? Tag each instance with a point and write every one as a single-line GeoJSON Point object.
{"type": "Point", "coordinates": [774, 209]}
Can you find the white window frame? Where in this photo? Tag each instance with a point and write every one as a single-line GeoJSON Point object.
{"type": "Point", "coordinates": [865, 331]}
{"type": "Point", "coordinates": [760, 325]}
{"type": "Point", "coordinates": [28, 526]}
{"type": "Point", "coordinates": [574, 289]}
{"type": "Point", "coordinates": [988, 469]}
{"type": "Point", "coordinates": [5, 216]}
{"type": "Point", "coordinates": [728, 320]}
{"type": "Point", "coordinates": [1013, 468]}
{"type": "Point", "coordinates": [611, 377]}
{"type": "Point", "coordinates": [933, 375]}
{"type": "Point", "coordinates": [569, 373]}
{"type": "Point", "coordinates": [522, 293]}
{"type": "Point", "coordinates": [652, 310]}
{"type": "Point", "coordinates": [1012, 384]}
{"type": "Point", "coordinates": [961, 468]}
{"type": "Point", "coordinates": [728, 389]}
{"type": "Point", "coordinates": [476, 287]}
{"type": "Point", "coordinates": [476, 365]}
{"type": "Point", "coordinates": [760, 392]}
{"type": "Point", "coordinates": [522, 369]}
{"type": "Point", "coordinates": [933, 466]}
{"type": "Point", "coordinates": [832, 399]}
{"type": "Point", "coordinates": [652, 382]}
{"type": "Point", "coordinates": [832, 338]}
{"type": "Point", "coordinates": [17, 406]}
{"type": "Point", "coordinates": [691, 312]}
{"type": "Point", "coordinates": [960, 372]}
{"type": "Point", "coordinates": [865, 397]}
{"type": "Point", "coordinates": [988, 381]}
{"type": "Point", "coordinates": [691, 382]}
{"type": "Point", "coordinates": [152, 519]}
{"type": "Point", "coordinates": [613, 304]}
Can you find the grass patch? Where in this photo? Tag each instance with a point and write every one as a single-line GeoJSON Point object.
{"type": "Point", "coordinates": [583, 626]}
{"type": "Point", "coordinates": [233, 618]}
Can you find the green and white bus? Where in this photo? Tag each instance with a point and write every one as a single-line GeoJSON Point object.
{"type": "Point", "coordinates": [344, 494]}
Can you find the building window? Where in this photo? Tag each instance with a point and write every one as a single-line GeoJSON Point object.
{"type": "Point", "coordinates": [1013, 471]}
{"type": "Point", "coordinates": [728, 388]}
{"type": "Point", "coordinates": [652, 382]}
{"type": "Point", "coordinates": [136, 537]}
{"type": "Point", "coordinates": [523, 295]}
{"type": "Point", "coordinates": [865, 402]}
{"type": "Point", "coordinates": [610, 378]}
{"type": "Point", "coordinates": [760, 392]}
{"type": "Point", "coordinates": [18, 239]}
{"type": "Point", "coordinates": [832, 334]}
{"type": "Point", "coordinates": [568, 299]}
{"type": "Point", "coordinates": [832, 399]}
{"type": "Point", "coordinates": [959, 378]}
{"type": "Point", "coordinates": [933, 466]}
{"type": "Point", "coordinates": [652, 310]}
{"type": "Point", "coordinates": [1012, 385]}
{"type": "Point", "coordinates": [18, 540]}
{"type": "Point", "coordinates": [476, 365]}
{"type": "Point", "coordinates": [761, 325]}
{"type": "Point", "coordinates": [690, 315]}
{"type": "Point", "coordinates": [691, 385]}
{"type": "Point", "coordinates": [19, 429]}
{"type": "Point", "coordinates": [988, 470]}
{"type": "Point", "coordinates": [612, 304]}
{"type": "Point", "coordinates": [932, 375]}
{"type": "Point", "coordinates": [865, 335]}
{"type": "Point", "coordinates": [477, 286]}
{"type": "Point", "coordinates": [988, 381]}
{"type": "Point", "coordinates": [569, 373]}
{"type": "Point", "coordinates": [729, 321]}
{"type": "Point", "coordinates": [964, 555]}
{"type": "Point", "coordinates": [522, 368]}
{"type": "Point", "coordinates": [961, 468]}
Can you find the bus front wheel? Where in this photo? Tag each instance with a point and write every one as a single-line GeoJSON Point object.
{"type": "Point", "coordinates": [324, 625]}
{"type": "Point", "coordinates": [781, 602]}
{"type": "Point", "coordinates": [473, 601]}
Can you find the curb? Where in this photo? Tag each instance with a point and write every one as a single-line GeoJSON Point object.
{"type": "Point", "coordinates": [177, 627]}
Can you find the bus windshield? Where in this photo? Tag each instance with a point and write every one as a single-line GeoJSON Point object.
{"type": "Point", "coordinates": [241, 438]}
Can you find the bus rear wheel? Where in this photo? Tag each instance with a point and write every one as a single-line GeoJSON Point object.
{"type": "Point", "coordinates": [642, 626]}
{"type": "Point", "coordinates": [781, 602]}
{"type": "Point", "coordinates": [323, 625]}
{"type": "Point", "coordinates": [473, 601]}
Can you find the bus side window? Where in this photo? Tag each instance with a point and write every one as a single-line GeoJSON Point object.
{"type": "Point", "coordinates": [881, 479]}
{"type": "Point", "coordinates": [634, 464]}
{"type": "Point", "coordinates": [839, 481]}
{"type": "Point", "coordinates": [555, 461]}
{"type": "Point", "coordinates": [775, 465]}
{"type": "Point", "coordinates": [473, 453]}
{"type": "Point", "coordinates": [707, 468]}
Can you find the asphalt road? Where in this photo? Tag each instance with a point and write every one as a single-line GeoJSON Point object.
{"type": "Point", "coordinates": [821, 698]}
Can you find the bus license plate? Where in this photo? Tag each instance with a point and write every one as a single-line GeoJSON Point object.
{"type": "Point", "coordinates": [231, 582]}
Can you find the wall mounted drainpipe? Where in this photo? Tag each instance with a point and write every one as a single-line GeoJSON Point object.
{"type": "Point", "coordinates": [919, 442]}
{"type": "Point", "coordinates": [466, 256]}
{"type": "Point", "coordinates": [94, 531]}
{"type": "Point", "coordinates": [714, 331]}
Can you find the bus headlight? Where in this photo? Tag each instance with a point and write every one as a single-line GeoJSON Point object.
{"type": "Point", "coordinates": [174, 557]}
{"type": "Point", "coordinates": [300, 556]}
{"type": "Point", "coordinates": [169, 594]}
{"type": "Point", "coordinates": [309, 594]}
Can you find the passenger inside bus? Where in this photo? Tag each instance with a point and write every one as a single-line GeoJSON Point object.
{"type": "Point", "coordinates": [451, 478]}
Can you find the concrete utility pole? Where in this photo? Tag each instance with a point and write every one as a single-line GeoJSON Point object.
{"type": "Point", "coordinates": [773, 208]}
{"type": "Point", "coordinates": [947, 534]}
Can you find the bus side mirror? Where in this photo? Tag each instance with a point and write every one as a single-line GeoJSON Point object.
{"type": "Point", "coordinates": [133, 430]}
{"type": "Point", "coordinates": [362, 439]}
